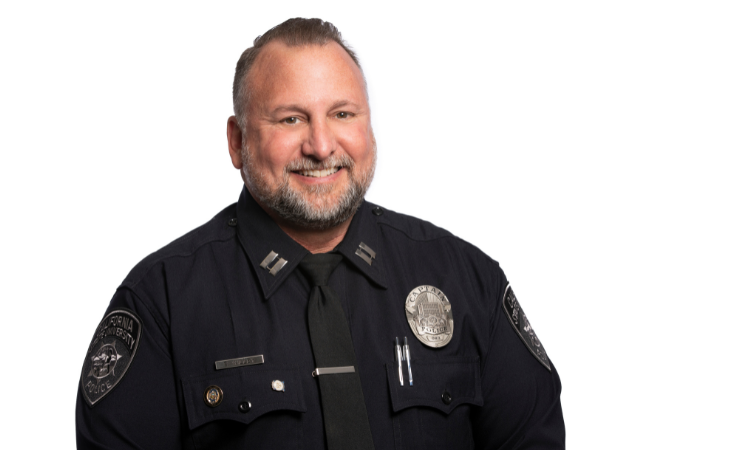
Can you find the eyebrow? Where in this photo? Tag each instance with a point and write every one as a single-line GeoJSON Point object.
{"type": "Point", "coordinates": [296, 108]}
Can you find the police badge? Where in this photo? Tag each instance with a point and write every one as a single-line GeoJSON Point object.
{"type": "Point", "coordinates": [523, 327]}
{"type": "Point", "coordinates": [110, 353]}
{"type": "Point", "coordinates": [430, 316]}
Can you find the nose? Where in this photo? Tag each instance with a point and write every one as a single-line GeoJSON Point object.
{"type": "Point", "coordinates": [320, 142]}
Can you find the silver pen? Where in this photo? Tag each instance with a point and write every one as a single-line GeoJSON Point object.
{"type": "Point", "coordinates": [399, 357]}
{"type": "Point", "coordinates": [408, 361]}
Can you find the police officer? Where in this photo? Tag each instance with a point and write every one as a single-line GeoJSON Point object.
{"type": "Point", "coordinates": [305, 317]}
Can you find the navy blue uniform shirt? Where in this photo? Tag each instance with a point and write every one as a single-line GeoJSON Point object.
{"type": "Point", "coordinates": [205, 298]}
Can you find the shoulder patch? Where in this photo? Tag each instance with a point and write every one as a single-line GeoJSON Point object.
{"type": "Point", "coordinates": [110, 353]}
{"type": "Point", "coordinates": [523, 327]}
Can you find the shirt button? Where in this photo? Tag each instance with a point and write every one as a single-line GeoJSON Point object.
{"type": "Point", "coordinates": [232, 222]}
{"type": "Point", "coordinates": [378, 211]}
{"type": "Point", "coordinates": [277, 385]}
{"type": "Point", "coordinates": [244, 406]}
{"type": "Point", "coordinates": [447, 399]}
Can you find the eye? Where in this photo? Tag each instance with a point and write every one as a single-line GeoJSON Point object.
{"type": "Point", "coordinates": [343, 115]}
{"type": "Point", "coordinates": [291, 120]}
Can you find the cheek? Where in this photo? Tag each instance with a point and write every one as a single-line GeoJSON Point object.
{"type": "Point", "coordinates": [357, 142]}
{"type": "Point", "coordinates": [276, 149]}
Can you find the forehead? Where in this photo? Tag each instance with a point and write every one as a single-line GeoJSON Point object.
{"type": "Point", "coordinates": [309, 72]}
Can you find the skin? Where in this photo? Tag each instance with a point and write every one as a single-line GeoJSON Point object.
{"type": "Point", "coordinates": [305, 102]}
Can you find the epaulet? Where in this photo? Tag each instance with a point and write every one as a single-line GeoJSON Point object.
{"type": "Point", "coordinates": [219, 228]}
{"type": "Point", "coordinates": [422, 230]}
{"type": "Point", "coordinates": [412, 227]}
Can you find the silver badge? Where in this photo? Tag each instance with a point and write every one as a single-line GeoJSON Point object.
{"type": "Point", "coordinates": [430, 316]}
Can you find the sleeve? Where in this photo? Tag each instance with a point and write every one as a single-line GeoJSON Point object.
{"type": "Point", "coordinates": [126, 395]}
{"type": "Point", "coordinates": [520, 386]}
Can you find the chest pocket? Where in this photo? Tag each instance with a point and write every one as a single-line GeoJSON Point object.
{"type": "Point", "coordinates": [253, 413]}
{"type": "Point", "coordinates": [435, 413]}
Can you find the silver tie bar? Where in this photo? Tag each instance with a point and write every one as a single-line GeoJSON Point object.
{"type": "Point", "coordinates": [332, 370]}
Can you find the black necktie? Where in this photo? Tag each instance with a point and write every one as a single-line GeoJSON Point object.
{"type": "Point", "coordinates": [344, 413]}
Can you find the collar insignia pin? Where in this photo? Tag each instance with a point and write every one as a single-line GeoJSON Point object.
{"type": "Point", "coordinates": [270, 258]}
{"type": "Point", "coordinates": [365, 252]}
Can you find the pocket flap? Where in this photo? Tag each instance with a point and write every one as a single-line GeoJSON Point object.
{"type": "Point", "coordinates": [456, 376]}
{"type": "Point", "coordinates": [251, 384]}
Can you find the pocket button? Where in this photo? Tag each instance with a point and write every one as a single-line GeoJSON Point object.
{"type": "Point", "coordinates": [244, 406]}
{"type": "Point", "coordinates": [447, 399]}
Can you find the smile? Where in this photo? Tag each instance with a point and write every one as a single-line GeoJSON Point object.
{"type": "Point", "coordinates": [318, 173]}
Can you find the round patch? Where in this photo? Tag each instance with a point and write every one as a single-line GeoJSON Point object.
{"type": "Point", "coordinates": [213, 396]}
{"type": "Point", "coordinates": [110, 353]}
{"type": "Point", "coordinates": [430, 316]}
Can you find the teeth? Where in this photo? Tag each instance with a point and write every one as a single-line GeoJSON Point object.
{"type": "Point", "coordinates": [319, 173]}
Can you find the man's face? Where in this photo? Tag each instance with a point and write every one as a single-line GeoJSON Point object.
{"type": "Point", "coordinates": [308, 151]}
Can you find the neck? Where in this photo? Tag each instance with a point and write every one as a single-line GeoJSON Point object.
{"type": "Point", "coordinates": [315, 241]}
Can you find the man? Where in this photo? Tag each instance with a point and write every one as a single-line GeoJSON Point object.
{"type": "Point", "coordinates": [305, 317]}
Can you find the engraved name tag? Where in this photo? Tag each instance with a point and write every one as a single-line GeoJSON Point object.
{"type": "Point", "coordinates": [237, 362]}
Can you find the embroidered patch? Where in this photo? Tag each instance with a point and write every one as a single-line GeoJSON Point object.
{"type": "Point", "coordinates": [110, 353]}
{"type": "Point", "coordinates": [430, 316]}
{"type": "Point", "coordinates": [523, 327]}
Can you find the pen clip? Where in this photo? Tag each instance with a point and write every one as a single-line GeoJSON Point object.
{"type": "Point", "coordinates": [407, 356]}
{"type": "Point", "coordinates": [399, 358]}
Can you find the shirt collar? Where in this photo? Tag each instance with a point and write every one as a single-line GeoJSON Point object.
{"type": "Point", "coordinates": [261, 237]}
{"type": "Point", "coordinates": [362, 247]}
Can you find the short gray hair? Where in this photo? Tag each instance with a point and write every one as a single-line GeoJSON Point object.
{"type": "Point", "coordinates": [293, 32]}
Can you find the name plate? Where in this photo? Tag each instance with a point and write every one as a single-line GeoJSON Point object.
{"type": "Point", "coordinates": [238, 362]}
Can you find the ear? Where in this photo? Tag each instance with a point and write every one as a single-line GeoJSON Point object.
{"type": "Point", "coordinates": [234, 141]}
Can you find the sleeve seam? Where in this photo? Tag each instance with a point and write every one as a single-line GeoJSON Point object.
{"type": "Point", "coordinates": [493, 330]}
{"type": "Point", "coordinates": [151, 312]}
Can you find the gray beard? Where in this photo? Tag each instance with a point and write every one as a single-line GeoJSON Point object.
{"type": "Point", "coordinates": [290, 204]}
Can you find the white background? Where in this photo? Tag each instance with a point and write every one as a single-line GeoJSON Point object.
{"type": "Point", "coordinates": [597, 149]}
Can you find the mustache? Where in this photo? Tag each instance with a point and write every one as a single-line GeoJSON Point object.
{"type": "Point", "coordinates": [307, 163]}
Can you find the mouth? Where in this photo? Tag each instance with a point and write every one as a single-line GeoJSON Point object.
{"type": "Point", "coordinates": [317, 173]}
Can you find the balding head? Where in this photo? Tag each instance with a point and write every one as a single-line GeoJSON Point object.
{"type": "Point", "coordinates": [293, 33]}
